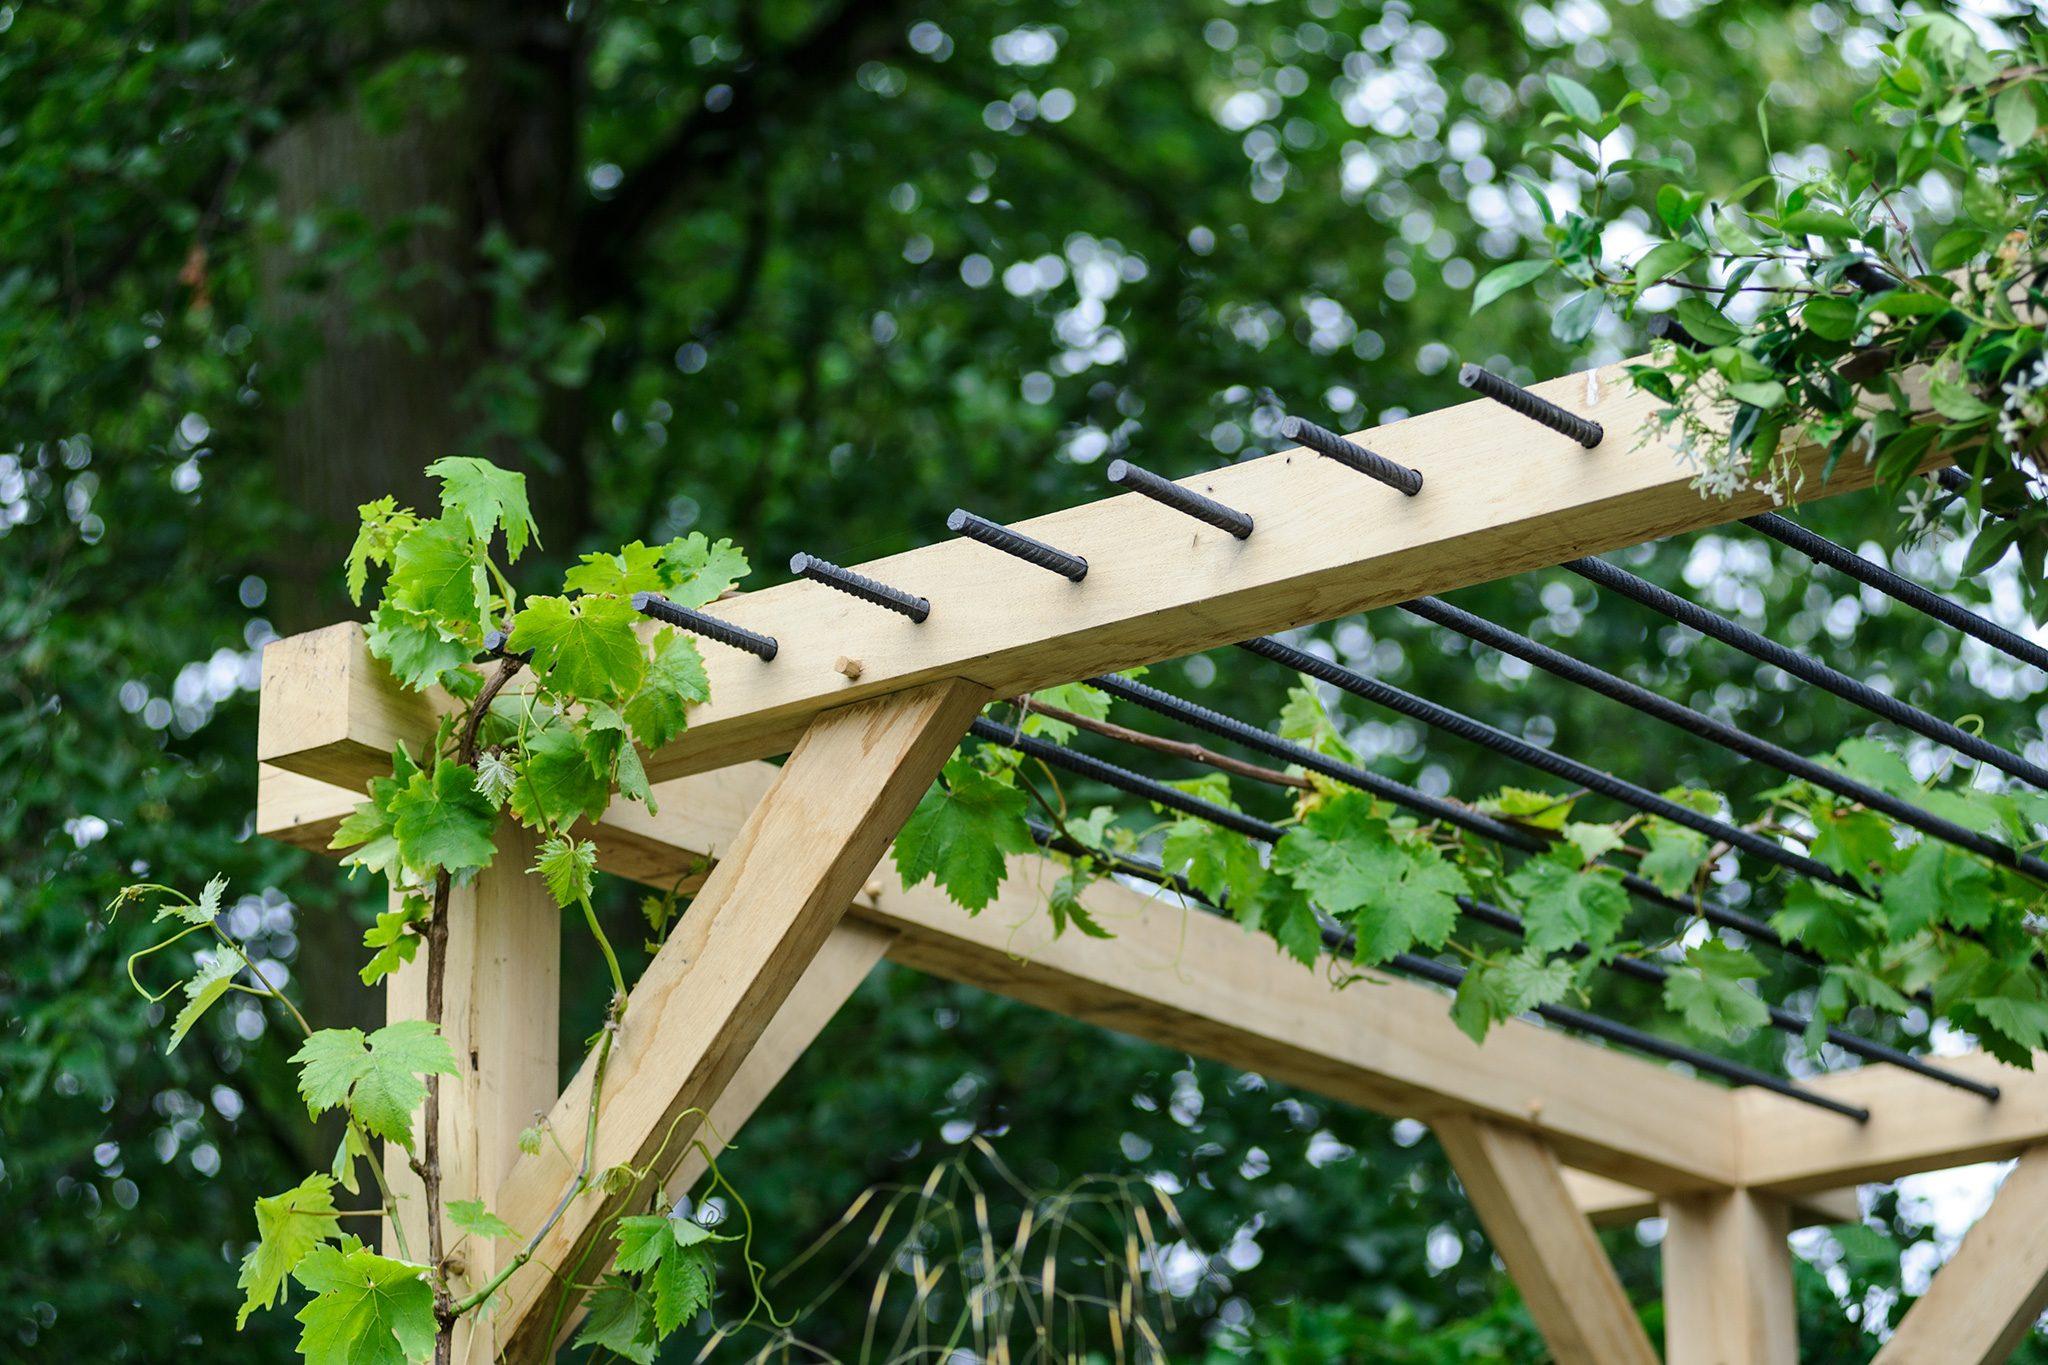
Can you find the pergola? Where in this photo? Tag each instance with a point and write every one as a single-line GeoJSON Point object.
{"type": "Point", "coordinates": [1550, 1133]}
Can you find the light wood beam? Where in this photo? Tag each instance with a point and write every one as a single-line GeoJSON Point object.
{"type": "Point", "coordinates": [1503, 496]}
{"type": "Point", "coordinates": [1517, 1188]}
{"type": "Point", "coordinates": [1728, 1296]}
{"type": "Point", "coordinates": [1916, 1124]}
{"type": "Point", "coordinates": [1190, 981]}
{"type": "Point", "coordinates": [722, 974]}
{"type": "Point", "coordinates": [500, 1015]}
{"type": "Point", "coordinates": [1611, 1203]}
{"type": "Point", "coordinates": [1981, 1305]}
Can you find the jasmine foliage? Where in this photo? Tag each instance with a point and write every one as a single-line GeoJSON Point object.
{"type": "Point", "coordinates": [548, 755]}
{"type": "Point", "coordinates": [1926, 916]}
{"type": "Point", "coordinates": [1885, 310]}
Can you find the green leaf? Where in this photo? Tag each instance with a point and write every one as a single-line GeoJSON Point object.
{"type": "Point", "coordinates": [1957, 247]}
{"type": "Point", "coordinates": [621, 1321]}
{"type": "Point", "coordinates": [1592, 841]}
{"type": "Point", "coordinates": [393, 938]}
{"type": "Point", "coordinates": [1505, 279]}
{"type": "Point", "coordinates": [960, 833]}
{"type": "Point", "coordinates": [2015, 115]}
{"type": "Point", "coordinates": [559, 780]}
{"type": "Point", "coordinates": [1829, 921]}
{"type": "Point", "coordinates": [376, 1079]}
{"type": "Point", "coordinates": [1832, 319]}
{"type": "Point", "coordinates": [1079, 698]}
{"type": "Point", "coordinates": [202, 911]}
{"type": "Point", "coordinates": [442, 822]}
{"type": "Point", "coordinates": [437, 571]}
{"type": "Point", "coordinates": [1663, 261]}
{"type": "Point", "coordinates": [583, 649]}
{"type": "Point", "coordinates": [215, 976]}
{"type": "Point", "coordinates": [1220, 864]}
{"type": "Point", "coordinates": [682, 1288]}
{"type": "Point", "coordinates": [1708, 990]}
{"type": "Point", "coordinates": [1065, 906]}
{"type": "Point", "coordinates": [1574, 322]}
{"type": "Point", "coordinates": [660, 711]}
{"type": "Point", "coordinates": [1563, 907]}
{"type": "Point", "coordinates": [635, 568]}
{"type": "Point", "coordinates": [288, 1226]}
{"type": "Point", "coordinates": [471, 1216]}
{"type": "Point", "coordinates": [567, 866]}
{"type": "Point", "coordinates": [1906, 303]}
{"type": "Point", "coordinates": [1393, 895]}
{"type": "Point", "coordinates": [1937, 883]}
{"type": "Point", "coordinates": [367, 1309]}
{"type": "Point", "coordinates": [1705, 321]}
{"type": "Point", "coordinates": [484, 496]}
{"type": "Point", "coordinates": [1672, 857]}
{"type": "Point", "coordinates": [1538, 810]}
{"type": "Point", "coordinates": [416, 650]}
{"type": "Point", "coordinates": [1573, 98]}
{"type": "Point", "coordinates": [1819, 223]}
{"type": "Point", "coordinates": [696, 571]}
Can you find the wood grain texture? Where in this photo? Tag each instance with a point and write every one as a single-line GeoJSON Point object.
{"type": "Point", "coordinates": [1982, 1304]}
{"type": "Point", "coordinates": [501, 1017]}
{"type": "Point", "coordinates": [1503, 496]}
{"type": "Point", "coordinates": [1612, 1204]}
{"type": "Point", "coordinates": [1728, 1281]}
{"type": "Point", "coordinates": [805, 850]}
{"type": "Point", "coordinates": [1517, 1188]}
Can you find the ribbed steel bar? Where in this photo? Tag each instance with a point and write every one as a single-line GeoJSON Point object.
{"type": "Point", "coordinates": [1422, 803]}
{"type": "Point", "coordinates": [1544, 760]}
{"type": "Point", "coordinates": [1900, 589]}
{"type": "Point", "coordinates": [1727, 736]}
{"type": "Point", "coordinates": [653, 604]}
{"type": "Point", "coordinates": [998, 536]}
{"type": "Point", "coordinates": [1533, 406]}
{"type": "Point", "coordinates": [1411, 964]}
{"type": "Point", "coordinates": [1809, 670]}
{"type": "Point", "coordinates": [861, 586]}
{"type": "Point", "coordinates": [1351, 455]}
{"type": "Point", "coordinates": [1124, 474]}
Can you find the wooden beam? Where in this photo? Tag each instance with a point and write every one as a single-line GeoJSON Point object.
{"type": "Point", "coordinates": [1982, 1304]}
{"type": "Point", "coordinates": [1613, 1204]}
{"type": "Point", "coordinates": [1503, 496]}
{"type": "Point", "coordinates": [1517, 1188]}
{"type": "Point", "coordinates": [501, 1013]}
{"type": "Point", "coordinates": [1915, 1125]}
{"type": "Point", "coordinates": [1728, 1296]}
{"type": "Point", "coordinates": [764, 912]}
{"type": "Point", "coordinates": [1191, 981]}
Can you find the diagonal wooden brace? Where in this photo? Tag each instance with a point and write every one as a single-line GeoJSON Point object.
{"type": "Point", "coordinates": [701, 1005]}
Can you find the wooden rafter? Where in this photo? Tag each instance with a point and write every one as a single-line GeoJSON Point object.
{"type": "Point", "coordinates": [1504, 496]}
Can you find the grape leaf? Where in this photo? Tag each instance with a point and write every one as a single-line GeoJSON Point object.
{"type": "Point", "coordinates": [1304, 720]}
{"type": "Point", "coordinates": [485, 496]}
{"type": "Point", "coordinates": [377, 1079]}
{"type": "Point", "coordinates": [202, 911]}
{"type": "Point", "coordinates": [1562, 906]}
{"type": "Point", "coordinates": [394, 940]}
{"type": "Point", "coordinates": [1539, 810]}
{"type": "Point", "coordinates": [635, 568]}
{"type": "Point", "coordinates": [1393, 895]}
{"type": "Point", "coordinates": [1673, 856]}
{"type": "Point", "coordinates": [442, 822]}
{"type": "Point", "coordinates": [288, 1226]}
{"type": "Point", "coordinates": [417, 651]}
{"type": "Point", "coordinates": [558, 781]}
{"type": "Point", "coordinates": [677, 1254]}
{"type": "Point", "coordinates": [582, 649]}
{"type": "Point", "coordinates": [1937, 883]}
{"type": "Point", "coordinates": [1077, 697]}
{"type": "Point", "coordinates": [1708, 990]}
{"type": "Point", "coordinates": [660, 711]}
{"type": "Point", "coordinates": [437, 571]}
{"type": "Point", "coordinates": [1218, 863]}
{"type": "Point", "coordinates": [960, 833]}
{"type": "Point", "coordinates": [697, 571]}
{"type": "Point", "coordinates": [567, 865]}
{"type": "Point", "coordinates": [1065, 906]}
{"type": "Point", "coordinates": [471, 1216]}
{"type": "Point", "coordinates": [382, 527]}
{"type": "Point", "coordinates": [620, 1320]}
{"type": "Point", "coordinates": [203, 991]}
{"type": "Point", "coordinates": [367, 1309]}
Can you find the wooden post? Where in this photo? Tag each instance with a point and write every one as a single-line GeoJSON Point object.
{"type": "Point", "coordinates": [1983, 1303]}
{"type": "Point", "coordinates": [1728, 1281]}
{"type": "Point", "coordinates": [1517, 1187]}
{"type": "Point", "coordinates": [502, 1015]}
{"type": "Point", "coordinates": [806, 850]}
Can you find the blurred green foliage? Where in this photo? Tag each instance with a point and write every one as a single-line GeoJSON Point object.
{"type": "Point", "coordinates": [806, 276]}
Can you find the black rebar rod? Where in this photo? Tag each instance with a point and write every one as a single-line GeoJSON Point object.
{"type": "Point", "coordinates": [998, 536]}
{"type": "Point", "coordinates": [1413, 964]}
{"type": "Point", "coordinates": [1351, 455]}
{"type": "Point", "coordinates": [1123, 779]}
{"type": "Point", "coordinates": [1897, 587]}
{"type": "Point", "coordinates": [1718, 732]}
{"type": "Point", "coordinates": [861, 586]}
{"type": "Point", "coordinates": [1533, 406]}
{"type": "Point", "coordinates": [1808, 669]}
{"type": "Point", "coordinates": [1545, 760]}
{"type": "Point", "coordinates": [1124, 474]}
{"type": "Point", "coordinates": [1422, 803]}
{"type": "Point", "coordinates": [653, 604]}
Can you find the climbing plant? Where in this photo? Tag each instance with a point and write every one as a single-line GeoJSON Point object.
{"type": "Point", "coordinates": [1888, 309]}
{"type": "Point", "coordinates": [540, 735]}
